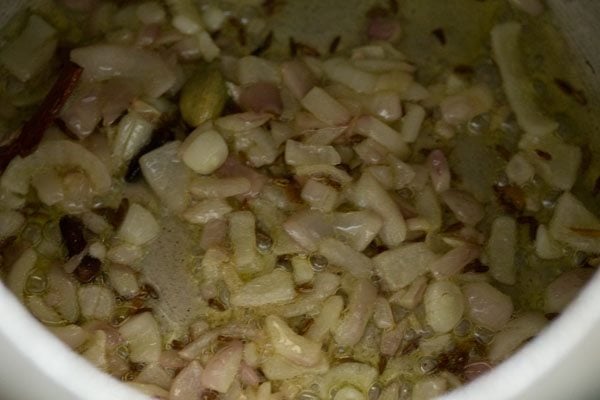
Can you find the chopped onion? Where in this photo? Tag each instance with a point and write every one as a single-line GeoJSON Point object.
{"type": "Point", "coordinates": [323, 171]}
{"type": "Point", "coordinates": [564, 289]}
{"type": "Point", "coordinates": [297, 153]}
{"type": "Point", "coordinates": [501, 249]}
{"type": "Point", "coordinates": [344, 256]}
{"type": "Point", "coordinates": [139, 226]}
{"type": "Point", "coordinates": [97, 302]}
{"type": "Point", "coordinates": [146, 68]}
{"type": "Point", "coordinates": [253, 69]}
{"type": "Point", "coordinates": [272, 288]}
{"type": "Point", "coordinates": [242, 234]}
{"type": "Point", "coordinates": [411, 122]}
{"type": "Point", "coordinates": [133, 132]}
{"type": "Point", "coordinates": [465, 208]}
{"type": "Point", "coordinates": [11, 223]}
{"type": "Point", "coordinates": [382, 315]}
{"type": "Point", "coordinates": [206, 211]}
{"type": "Point", "coordinates": [187, 385]}
{"type": "Point", "coordinates": [319, 195]}
{"type": "Point", "coordinates": [155, 374]}
{"type": "Point", "coordinates": [519, 170]}
{"type": "Point", "coordinates": [575, 225]}
{"type": "Point", "coordinates": [96, 352]}
{"type": "Point", "coordinates": [42, 311]}
{"type": "Point", "coordinates": [143, 337]}
{"type": "Point", "coordinates": [546, 247]}
{"type": "Point", "coordinates": [391, 339]}
{"type": "Point", "coordinates": [412, 296]}
{"type": "Point", "coordinates": [242, 122]}
{"type": "Point", "coordinates": [487, 306]}
{"type": "Point", "coordinates": [325, 108]}
{"type": "Point", "coordinates": [71, 335]}
{"type": "Point", "coordinates": [276, 367]}
{"type": "Point", "coordinates": [463, 106]}
{"type": "Point", "coordinates": [297, 77]}
{"type": "Point", "coordinates": [399, 267]}
{"type": "Point", "coordinates": [439, 171]}
{"type": "Point", "coordinates": [382, 134]}
{"type": "Point", "coordinates": [123, 280]}
{"type": "Point", "coordinates": [220, 371]}
{"type": "Point", "coordinates": [429, 388]}
{"type": "Point", "coordinates": [444, 306]}
{"type": "Point", "coordinates": [126, 254]}
{"type": "Point", "coordinates": [428, 207]}
{"type": "Point", "coordinates": [167, 175]}
{"type": "Point", "coordinates": [325, 284]}
{"type": "Point", "coordinates": [289, 344]}
{"type": "Point", "coordinates": [368, 193]}
{"type": "Point", "coordinates": [361, 303]}
{"type": "Point", "coordinates": [204, 151]}
{"type": "Point", "coordinates": [326, 320]}
{"type": "Point", "coordinates": [308, 228]}
{"type": "Point", "coordinates": [360, 376]}
{"type": "Point", "coordinates": [62, 294]}
{"type": "Point", "coordinates": [357, 228]}
{"type": "Point", "coordinates": [261, 97]}
{"type": "Point", "coordinates": [18, 274]}
{"type": "Point", "coordinates": [454, 261]}
{"type": "Point", "coordinates": [515, 333]}
{"type": "Point", "coordinates": [341, 71]}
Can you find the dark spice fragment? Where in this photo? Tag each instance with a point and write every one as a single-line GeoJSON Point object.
{"type": "Point", "coordinates": [476, 266]}
{"type": "Point", "coordinates": [208, 394]}
{"type": "Point", "coordinates": [334, 44]}
{"type": "Point", "coordinates": [455, 360]}
{"type": "Point", "coordinates": [115, 217]}
{"type": "Point", "coordinates": [33, 130]}
{"type": "Point", "coordinates": [71, 229]}
{"type": "Point", "coordinates": [569, 90]}
{"type": "Point", "coordinates": [440, 35]}
{"type": "Point", "coordinates": [216, 304]}
{"type": "Point", "coordinates": [240, 29]}
{"type": "Point", "coordinates": [148, 291]}
{"type": "Point", "coordinates": [264, 46]}
{"type": "Point", "coordinates": [297, 48]}
{"type": "Point", "coordinates": [543, 154]}
{"type": "Point", "coordinates": [511, 198]}
{"type": "Point", "coordinates": [531, 222]}
{"type": "Point", "coordinates": [88, 269]}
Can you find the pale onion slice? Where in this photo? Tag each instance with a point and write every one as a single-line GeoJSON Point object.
{"type": "Point", "coordinates": [464, 206]}
{"type": "Point", "coordinates": [297, 78]}
{"type": "Point", "coordinates": [167, 175]}
{"type": "Point", "coordinates": [357, 228]}
{"type": "Point", "coordinates": [133, 132]}
{"type": "Point", "coordinates": [205, 211]}
{"type": "Point", "coordinates": [123, 280]}
{"type": "Point", "coordinates": [155, 392]}
{"type": "Point", "coordinates": [358, 375]}
{"type": "Point", "coordinates": [519, 170]}
{"type": "Point", "coordinates": [297, 153]}
{"type": "Point", "coordinates": [289, 344]}
{"type": "Point", "coordinates": [205, 186]}
{"type": "Point", "coordinates": [204, 151]}
{"type": "Point", "coordinates": [302, 269]}
{"type": "Point", "coordinates": [242, 234]}
{"type": "Point", "coordinates": [139, 226]}
{"type": "Point", "coordinates": [564, 289]}
{"type": "Point", "coordinates": [61, 294]}
{"type": "Point", "coordinates": [399, 267]}
{"type": "Point", "coordinates": [383, 134]}
{"type": "Point", "coordinates": [125, 253]}
{"type": "Point", "coordinates": [243, 121]}
{"type": "Point", "coordinates": [11, 223]}
{"type": "Point", "coordinates": [428, 206]}
{"type": "Point", "coordinates": [275, 287]}
{"type": "Point", "coordinates": [221, 370]}
{"type": "Point", "coordinates": [454, 261]}
{"type": "Point", "coordinates": [429, 388]}
{"type": "Point", "coordinates": [462, 107]}
{"type": "Point", "coordinates": [573, 224]}
{"type": "Point", "coordinates": [308, 228]}
{"type": "Point", "coordinates": [546, 247]}
{"type": "Point", "coordinates": [412, 122]}
{"type": "Point", "coordinates": [342, 71]}
{"type": "Point", "coordinates": [327, 109]}
{"type": "Point", "coordinates": [42, 311]}
{"type": "Point", "coordinates": [71, 335]}
{"type": "Point", "coordinates": [345, 257]}
{"type": "Point", "coordinates": [486, 305]}
{"type": "Point", "coordinates": [146, 68]}
{"type": "Point", "coordinates": [96, 351]}
{"type": "Point", "coordinates": [514, 334]}
{"type": "Point", "coordinates": [18, 274]}
{"type": "Point", "coordinates": [96, 302]}
{"type": "Point", "coordinates": [517, 85]}
{"type": "Point", "coordinates": [444, 306]}
{"type": "Point", "coordinates": [327, 319]}
{"type": "Point", "coordinates": [155, 374]}
{"type": "Point", "coordinates": [501, 249]}
{"type": "Point", "coordinates": [368, 193]}
{"type": "Point", "coordinates": [143, 337]}
{"type": "Point", "coordinates": [385, 105]}
{"type": "Point", "coordinates": [187, 385]}
{"type": "Point", "coordinates": [49, 187]}
{"type": "Point", "coordinates": [324, 171]}
{"type": "Point", "coordinates": [412, 296]}
{"type": "Point", "coordinates": [55, 154]}
{"type": "Point", "coordinates": [319, 195]}
{"type": "Point", "coordinates": [439, 171]}
{"type": "Point", "coordinates": [324, 285]}
{"type": "Point", "coordinates": [361, 303]}
{"type": "Point", "coordinates": [252, 69]}
{"type": "Point", "coordinates": [382, 315]}
{"type": "Point", "coordinates": [276, 367]}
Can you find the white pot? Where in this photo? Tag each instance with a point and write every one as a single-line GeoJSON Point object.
{"type": "Point", "coordinates": [562, 363]}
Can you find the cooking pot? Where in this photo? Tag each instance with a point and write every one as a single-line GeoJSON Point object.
{"type": "Point", "coordinates": [562, 362]}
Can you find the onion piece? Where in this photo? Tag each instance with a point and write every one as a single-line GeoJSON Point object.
{"type": "Point", "coordinates": [220, 371]}
{"type": "Point", "coordinates": [517, 86]}
{"type": "Point", "coordinates": [147, 69]}
{"type": "Point", "coordinates": [261, 97]}
{"type": "Point", "coordinates": [546, 247]}
{"type": "Point", "coordinates": [515, 333]}
{"type": "Point", "coordinates": [325, 284]}
{"type": "Point", "coordinates": [11, 223]}
{"type": "Point", "coordinates": [297, 78]}
{"type": "Point", "coordinates": [327, 109]}
{"type": "Point", "coordinates": [573, 224]}
{"type": "Point", "coordinates": [399, 267]}
{"type": "Point", "coordinates": [42, 311]}
{"type": "Point", "coordinates": [167, 175]}
{"type": "Point", "coordinates": [444, 306]}
{"type": "Point", "coordinates": [383, 134]}
{"type": "Point", "coordinates": [361, 303]}
{"type": "Point", "coordinates": [308, 228]}
{"type": "Point", "coordinates": [360, 376]}
{"type": "Point", "coordinates": [429, 388]}
{"type": "Point", "coordinates": [462, 107]}
{"type": "Point", "coordinates": [272, 288]}
{"type": "Point", "coordinates": [242, 234]}
{"type": "Point", "coordinates": [97, 302]}
{"type": "Point", "coordinates": [465, 208]}
{"type": "Point", "coordinates": [139, 226]}
{"type": "Point", "coordinates": [155, 374]}
{"type": "Point", "coordinates": [289, 344]}
{"type": "Point", "coordinates": [357, 228]}
{"type": "Point", "coordinates": [454, 261]}
{"type": "Point", "coordinates": [297, 153]}
{"type": "Point", "coordinates": [123, 280]}
{"type": "Point", "coordinates": [242, 122]}
{"type": "Point", "coordinates": [327, 319]}
{"type": "Point", "coordinates": [187, 385]}
{"type": "Point", "coordinates": [501, 249]}
{"type": "Point", "coordinates": [344, 256]}
{"type": "Point", "coordinates": [143, 337]}
{"type": "Point", "coordinates": [411, 122]}
{"type": "Point", "coordinates": [62, 294]}
{"type": "Point", "coordinates": [439, 171]}
{"type": "Point", "coordinates": [252, 69]}
{"type": "Point", "coordinates": [276, 367]}
{"type": "Point", "coordinates": [234, 168]}
{"type": "Point", "coordinates": [564, 289]}
{"type": "Point", "coordinates": [18, 274]}
{"type": "Point", "coordinates": [382, 315]}
{"type": "Point", "coordinates": [341, 71]}
{"type": "Point", "coordinates": [319, 195]}
{"type": "Point", "coordinates": [204, 151]}
{"type": "Point", "coordinates": [323, 170]}
{"type": "Point", "coordinates": [96, 351]}
{"type": "Point", "coordinates": [487, 306]}
{"type": "Point", "coordinates": [519, 170]}
{"type": "Point", "coordinates": [71, 335]}
{"type": "Point", "coordinates": [368, 193]}
{"type": "Point", "coordinates": [206, 211]}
